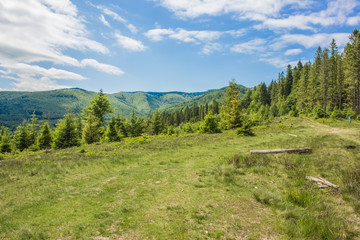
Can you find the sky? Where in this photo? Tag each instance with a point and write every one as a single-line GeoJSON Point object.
{"type": "Point", "coordinates": [163, 45]}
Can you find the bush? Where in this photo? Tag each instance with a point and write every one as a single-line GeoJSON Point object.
{"type": "Point", "coordinates": [246, 129]}
{"type": "Point", "coordinates": [210, 124]}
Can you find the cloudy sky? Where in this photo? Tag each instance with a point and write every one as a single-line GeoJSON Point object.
{"type": "Point", "coordinates": [162, 45]}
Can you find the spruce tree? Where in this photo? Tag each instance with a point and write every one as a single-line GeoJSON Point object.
{"type": "Point", "coordinates": [93, 129]}
{"type": "Point", "coordinates": [21, 136]}
{"type": "Point", "coordinates": [99, 107]}
{"type": "Point", "coordinates": [65, 133]}
{"type": "Point", "coordinates": [230, 112]}
{"type": "Point", "coordinates": [156, 123]}
{"type": "Point", "coordinates": [112, 134]}
{"type": "Point", "coordinates": [45, 137]}
{"type": "Point", "coordinates": [5, 143]}
{"type": "Point", "coordinates": [136, 125]}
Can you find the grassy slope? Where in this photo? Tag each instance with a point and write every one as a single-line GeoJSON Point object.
{"type": "Point", "coordinates": [189, 187]}
{"type": "Point", "coordinates": [52, 105]}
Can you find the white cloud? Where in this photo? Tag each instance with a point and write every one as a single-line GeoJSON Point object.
{"type": "Point", "coordinates": [294, 51]}
{"type": "Point", "coordinates": [103, 20]}
{"type": "Point", "coordinates": [251, 9]}
{"type": "Point", "coordinates": [28, 77]}
{"type": "Point", "coordinates": [309, 41]}
{"type": "Point", "coordinates": [183, 35]}
{"type": "Point", "coordinates": [250, 47]}
{"type": "Point", "coordinates": [211, 47]}
{"type": "Point", "coordinates": [338, 12]}
{"type": "Point", "coordinates": [101, 67]}
{"type": "Point", "coordinates": [118, 18]}
{"type": "Point", "coordinates": [129, 43]}
{"type": "Point", "coordinates": [270, 13]}
{"type": "Point", "coordinates": [40, 31]}
{"type": "Point", "coordinates": [278, 61]}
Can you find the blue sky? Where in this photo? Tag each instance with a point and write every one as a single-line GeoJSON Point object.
{"type": "Point", "coordinates": [162, 45]}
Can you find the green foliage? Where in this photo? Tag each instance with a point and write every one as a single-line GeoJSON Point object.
{"type": "Point", "coordinates": [210, 124]}
{"type": "Point", "coordinates": [136, 125]}
{"type": "Point", "coordinates": [230, 112]}
{"type": "Point", "coordinates": [99, 106]}
{"type": "Point", "coordinates": [45, 137]}
{"type": "Point", "coordinates": [21, 136]}
{"type": "Point", "coordinates": [246, 129]}
{"type": "Point", "coordinates": [156, 123]}
{"type": "Point", "coordinates": [65, 133]}
{"type": "Point", "coordinates": [112, 134]}
{"type": "Point", "coordinates": [93, 129]}
{"type": "Point", "coordinates": [5, 143]}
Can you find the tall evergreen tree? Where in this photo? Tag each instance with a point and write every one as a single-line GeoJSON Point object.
{"type": "Point", "coordinates": [230, 112]}
{"type": "Point", "coordinates": [99, 107]}
{"type": "Point", "coordinates": [112, 134]}
{"type": "Point", "coordinates": [93, 129]}
{"type": "Point", "coordinates": [352, 60]}
{"type": "Point", "coordinates": [156, 123]}
{"type": "Point", "coordinates": [21, 136]}
{"type": "Point", "coordinates": [45, 137]}
{"type": "Point", "coordinates": [65, 133]}
{"type": "Point", "coordinates": [5, 142]}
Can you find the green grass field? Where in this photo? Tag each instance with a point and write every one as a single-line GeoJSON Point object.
{"type": "Point", "coordinates": [188, 187]}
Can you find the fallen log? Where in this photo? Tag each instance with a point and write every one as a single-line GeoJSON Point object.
{"type": "Point", "coordinates": [322, 183]}
{"type": "Point", "coordinates": [290, 150]}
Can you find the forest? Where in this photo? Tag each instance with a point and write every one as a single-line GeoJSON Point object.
{"type": "Point", "coordinates": [327, 87]}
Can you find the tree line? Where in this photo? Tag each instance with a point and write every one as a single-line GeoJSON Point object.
{"type": "Point", "coordinates": [327, 87]}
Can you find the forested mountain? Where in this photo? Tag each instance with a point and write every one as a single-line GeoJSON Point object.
{"type": "Point", "coordinates": [53, 105]}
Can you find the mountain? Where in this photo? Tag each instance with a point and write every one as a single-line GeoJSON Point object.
{"type": "Point", "coordinates": [52, 105]}
{"type": "Point", "coordinates": [208, 97]}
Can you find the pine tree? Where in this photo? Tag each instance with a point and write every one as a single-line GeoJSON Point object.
{"type": "Point", "coordinates": [32, 127]}
{"type": "Point", "coordinates": [136, 125]}
{"type": "Point", "coordinates": [156, 124]}
{"type": "Point", "coordinates": [112, 134]}
{"type": "Point", "coordinates": [352, 60]}
{"type": "Point", "coordinates": [324, 76]}
{"type": "Point", "coordinates": [65, 133]}
{"type": "Point", "coordinates": [21, 136]}
{"type": "Point", "coordinates": [45, 137]}
{"type": "Point", "coordinates": [5, 143]}
{"type": "Point", "coordinates": [288, 81]}
{"type": "Point", "coordinates": [93, 130]}
{"type": "Point", "coordinates": [230, 112]}
{"type": "Point", "coordinates": [99, 107]}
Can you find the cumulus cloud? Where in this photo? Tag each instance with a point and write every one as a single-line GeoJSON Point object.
{"type": "Point", "coordinates": [294, 51]}
{"type": "Point", "coordinates": [338, 12]}
{"type": "Point", "coordinates": [40, 31]}
{"type": "Point", "coordinates": [211, 47]}
{"type": "Point", "coordinates": [309, 41]}
{"type": "Point", "coordinates": [250, 47]}
{"type": "Point", "coordinates": [129, 43]}
{"type": "Point", "coordinates": [183, 35]}
{"type": "Point", "coordinates": [251, 9]}
{"type": "Point", "coordinates": [270, 13]}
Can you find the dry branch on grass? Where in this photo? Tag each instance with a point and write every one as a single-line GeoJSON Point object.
{"type": "Point", "coordinates": [290, 150]}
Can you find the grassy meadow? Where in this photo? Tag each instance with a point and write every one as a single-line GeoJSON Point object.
{"type": "Point", "coordinates": [196, 186]}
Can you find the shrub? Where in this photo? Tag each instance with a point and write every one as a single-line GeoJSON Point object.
{"type": "Point", "coordinates": [210, 124]}
{"type": "Point", "coordinates": [246, 129]}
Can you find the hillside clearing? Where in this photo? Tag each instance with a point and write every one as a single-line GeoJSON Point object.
{"type": "Point", "coordinates": [187, 187]}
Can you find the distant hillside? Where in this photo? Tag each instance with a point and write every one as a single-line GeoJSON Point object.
{"type": "Point", "coordinates": [52, 105]}
{"type": "Point", "coordinates": [208, 97]}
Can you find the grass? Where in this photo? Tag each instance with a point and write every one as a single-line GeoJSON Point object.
{"type": "Point", "coordinates": [185, 187]}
